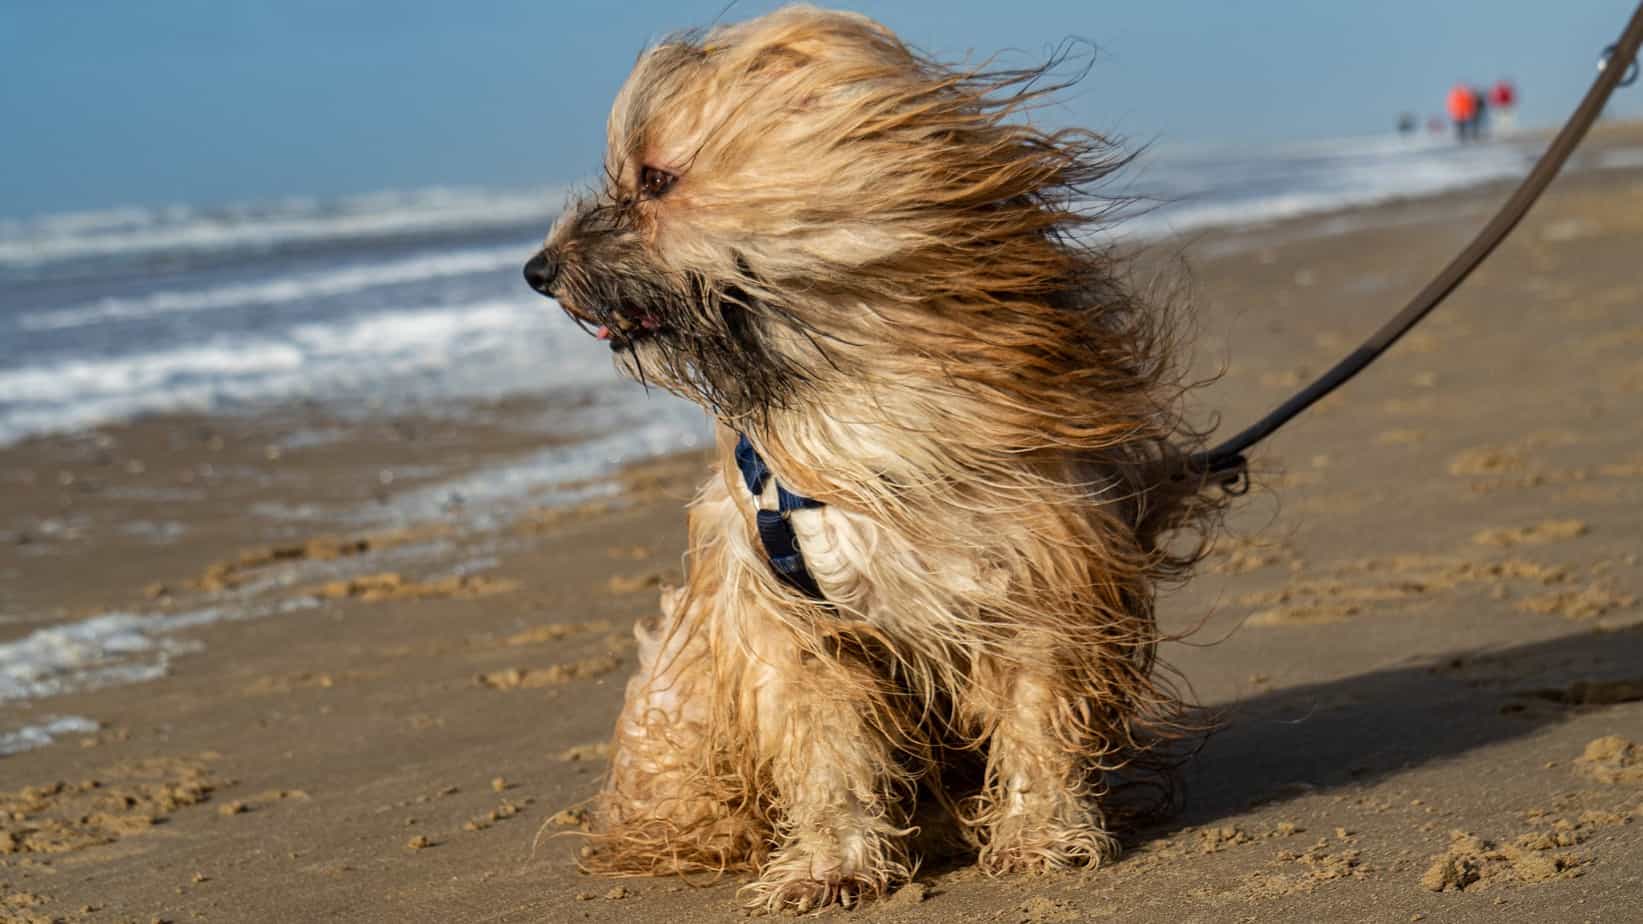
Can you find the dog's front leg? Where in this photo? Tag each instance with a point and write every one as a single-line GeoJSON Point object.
{"type": "Point", "coordinates": [666, 806]}
{"type": "Point", "coordinates": [675, 800]}
{"type": "Point", "coordinates": [832, 767]}
{"type": "Point", "coordinates": [1039, 808]}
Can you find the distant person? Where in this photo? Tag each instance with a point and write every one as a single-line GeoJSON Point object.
{"type": "Point", "coordinates": [1463, 112]}
{"type": "Point", "coordinates": [1407, 123]}
{"type": "Point", "coordinates": [1503, 100]}
{"type": "Point", "coordinates": [1436, 125]}
{"type": "Point", "coordinates": [1480, 113]}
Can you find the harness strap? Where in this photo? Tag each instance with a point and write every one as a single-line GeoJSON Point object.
{"type": "Point", "coordinates": [781, 546]}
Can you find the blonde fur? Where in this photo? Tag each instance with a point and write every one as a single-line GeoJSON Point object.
{"type": "Point", "coordinates": [872, 267]}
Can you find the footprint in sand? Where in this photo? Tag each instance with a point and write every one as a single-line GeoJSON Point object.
{"type": "Point", "coordinates": [1358, 585]}
{"type": "Point", "coordinates": [515, 678]}
{"type": "Point", "coordinates": [1400, 437]}
{"type": "Point", "coordinates": [537, 635]}
{"type": "Point", "coordinates": [585, 752]}
{"type": "Point", "coordinates": [286, 683]}
{"type": "Point", "coordinates": [627, 584]}
{"type": "Point", "coordinates": [1421, 406]}
{"type": "Point", "coordinates": [1628, 338]}
{"type": "Point", "coordinates": [1631, 468]}
{"type": "Point", "coordinates": [228, 574]}
{"type": "Point", "coordinates": [390, 585]}
{"type": "Point", "coordinates": [1625, 379]}
{"type": "Point", "coordinates": [1289, 378]}
{"type": "Point", "coordinates": [1304, 615]}
{"type": "Point", "coordinates": [1486, 460]}
{"type": "Point", "coordinates": [1538, 534]}
{"type": "Point", "coordinates": [1586, 603]}
{"type": "Point", "coordinates": [1243, 554]}
{"type": "Point", "coordinates": [126, 799]}
{"type": "Point", "coordinates": [1611, 759]}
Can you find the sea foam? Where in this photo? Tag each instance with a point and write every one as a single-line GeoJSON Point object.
{"type": "Point", "coordinates": [123, 232]}
{"type": "Point", "coordinates": [110, 649]}
{"type": "Point", "coordinates": [295, 288]}
{"type": "Point", "coordinates": [485, 347]}
{"type": "Point", "coordinates": [1189, 189]}
{"type": "Point", "coordinates": [41, 734]}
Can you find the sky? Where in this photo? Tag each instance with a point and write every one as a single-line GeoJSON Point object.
{"type": "Point", "coordinates": [149, 102]}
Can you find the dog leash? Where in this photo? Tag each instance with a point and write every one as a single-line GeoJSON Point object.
{"type": "Point", "coordinates": [1225, 464]}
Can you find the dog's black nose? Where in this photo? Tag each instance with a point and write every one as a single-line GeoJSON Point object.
{"type": "Point", "coordinates": [540, 271]}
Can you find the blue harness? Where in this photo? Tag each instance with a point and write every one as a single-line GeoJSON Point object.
{"type": "Point", "coordinates": [781, 546]}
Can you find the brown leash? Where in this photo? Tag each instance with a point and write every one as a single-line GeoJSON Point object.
{"type": "Point", "coordinates": [1226, 465]}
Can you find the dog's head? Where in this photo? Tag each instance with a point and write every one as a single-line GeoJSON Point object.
{"type": "Point", "coordinates": [801, 199]}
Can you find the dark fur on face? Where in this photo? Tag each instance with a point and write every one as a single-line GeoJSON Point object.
{"type": "Point", "coordinates": [706, 340]}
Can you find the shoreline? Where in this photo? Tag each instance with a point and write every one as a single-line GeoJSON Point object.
{"type": "Point", "coordinates": [1418, 623]}
{"type": "Point", "coordinates": [180, 336]}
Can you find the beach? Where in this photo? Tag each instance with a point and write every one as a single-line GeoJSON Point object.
{"type": "Point", "coordinates": [358, 660]}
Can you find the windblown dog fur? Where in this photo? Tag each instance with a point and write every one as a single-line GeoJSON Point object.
{"type": "Point", "coordinates": [872, 266]}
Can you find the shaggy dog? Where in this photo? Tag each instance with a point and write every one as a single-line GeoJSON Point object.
{"type": "Point", "coordinates": [868, 265]}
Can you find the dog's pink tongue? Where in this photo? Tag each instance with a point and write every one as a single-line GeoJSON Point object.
{"type": "Point", "coordinates": [603, 333]}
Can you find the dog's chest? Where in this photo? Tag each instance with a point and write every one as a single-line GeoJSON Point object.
{"type": "Point", "coordinates": [836, 548]}
{"type": "Point", "coordinates": [876, 572]}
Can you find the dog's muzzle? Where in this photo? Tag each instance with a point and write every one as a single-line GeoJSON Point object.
{"type": "Point", "coordinates": [623, 326]}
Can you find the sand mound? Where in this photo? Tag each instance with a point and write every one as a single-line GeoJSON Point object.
{"type": "Point", "coordinates": [1611, 759]}
{"type": "Point", "coordinates": [1472, 861]}
{"type": "Point", "coordinates": [515, 678]}
{"type": "Point", "coordinates": [228, 574]}
{"type": "Point", "coordinates": [1542, 532]}
{"type": "Point", "coordinates": [123, 800]}
{"type": "Point", "coordinates": [391, 585]}
{"type": "Point", "coordinates": [1586, 603]}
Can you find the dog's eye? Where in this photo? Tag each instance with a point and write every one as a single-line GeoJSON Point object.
{"type": "Point", "coordinates": [655, 183]}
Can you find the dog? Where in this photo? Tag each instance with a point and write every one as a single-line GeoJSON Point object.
{"type": "Point", "coordinates": [877, 276]}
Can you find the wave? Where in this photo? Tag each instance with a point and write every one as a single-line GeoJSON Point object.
{"type": "Point", "coordinates": [494, 344]}
{"type": "Point", "coordinates": [107, 650]}
{"type": "Point", "coordinates": [483, 347]}
{"type": "Point", "coordinates": [41, 734]}
{"type": "Point", "coordinates": [623, 430]}
{"type": "Point", "coordinates": [92, 653]}
{"type": "Point", "coordinates": [326, 284]}
{"type": "Point", "coordinates": [262, 226]}
{"type": "Point", "coordinates": [1204, 187]}
{"type": "Point", "coordinates": [1192, 187]}
{"type": "Point", "coordinates": [1620, 159]}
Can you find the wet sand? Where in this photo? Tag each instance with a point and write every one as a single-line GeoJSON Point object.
{"type": "Point", "coordinates": [1422, 633]}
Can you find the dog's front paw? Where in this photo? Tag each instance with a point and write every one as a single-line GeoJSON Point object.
{"type": "Point", "coordinates": [800, 894]}
{"type": "Point", "coordinates": [1020, 845]}
{"type": "Point", "coordinates": [803, 877]}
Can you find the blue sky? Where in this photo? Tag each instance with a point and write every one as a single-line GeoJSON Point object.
{"type": "Point", "coordinates": [112, 102]}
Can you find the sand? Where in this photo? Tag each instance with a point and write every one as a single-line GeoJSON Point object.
{"type": "Point", "coordinates": [1421, 636]}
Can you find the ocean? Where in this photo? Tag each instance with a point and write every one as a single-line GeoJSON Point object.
{"type": "Point", "coordinates": [411, 298]}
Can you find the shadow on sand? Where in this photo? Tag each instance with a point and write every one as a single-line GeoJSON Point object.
{"type": "Point", "coordinates": [1363, 728]}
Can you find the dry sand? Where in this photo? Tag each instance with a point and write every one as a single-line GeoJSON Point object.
{"type": "Point", "coordinates": [1422, 635]}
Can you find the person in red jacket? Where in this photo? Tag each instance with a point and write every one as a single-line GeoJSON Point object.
{"type": "Point", "coordinates": [1463, 112]}
{"type": "Point", "coordinates": [1503, 100]}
